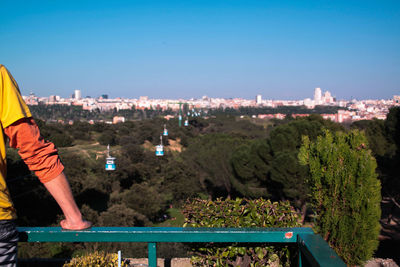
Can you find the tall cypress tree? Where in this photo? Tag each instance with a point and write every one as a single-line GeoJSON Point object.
{"type": "Point", "coordinates": [345, 193]}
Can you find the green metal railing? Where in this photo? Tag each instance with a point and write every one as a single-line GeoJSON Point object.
{"type": "Point", "coordinates": [313, 250]}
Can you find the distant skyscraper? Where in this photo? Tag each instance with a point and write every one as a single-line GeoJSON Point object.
{"type": "Point", "coordinates": [327, 98]}
{"type": "Point", "coordinates": [258, 99]}
{"type": "Point", "coordinates": [317, 95]}
{"type": "Point", "coordinates": [77, 94]}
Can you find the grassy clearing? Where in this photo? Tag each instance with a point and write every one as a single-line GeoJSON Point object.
{"type": "Point", "coordinates": [91, 151]}
{"type": "Point", "coordinates": [176, 219]}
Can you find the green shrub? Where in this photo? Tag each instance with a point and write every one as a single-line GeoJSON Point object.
{"type": "Point", "coordinates": [345, 193]}
{"type": "Point", "coordinates": [99, 259]}
{"type": "Point", "coordinates": [240, 213]}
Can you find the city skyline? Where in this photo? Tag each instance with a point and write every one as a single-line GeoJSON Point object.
{"type": "Point", "coordinates": [349, 110]}
{"type": "Point", "coordinates": [172, 49]}
{"type": "Point", "coordinates": [312, 96]}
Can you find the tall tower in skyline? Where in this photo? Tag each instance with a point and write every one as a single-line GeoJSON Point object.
{"type": "Point", "coordinates": [317, 96]}
{"type": "Point", "coordinates": [258, 99]}
{"type": "Point", "coordinates": [77, 94]}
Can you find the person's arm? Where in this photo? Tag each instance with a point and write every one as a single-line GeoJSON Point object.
{"type": "Point", "coordinates": [42, 158]}
{"type": "Point", "coordinates": [59, 188]}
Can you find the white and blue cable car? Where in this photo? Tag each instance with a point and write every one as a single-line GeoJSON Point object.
{"type": "Point", "coordinates": [160, 148]}
{"type": "Point", "coordinates": [165, 133]}
{"type": "Point", "coordinates": [186, 122]}
{"type": "Point", "coordinates": [110, 161]}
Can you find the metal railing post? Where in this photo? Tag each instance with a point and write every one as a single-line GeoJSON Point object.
{"type": "Point", "coordinates": [300, 263]}
{"type": "Point", "coordinates": [152, 248]}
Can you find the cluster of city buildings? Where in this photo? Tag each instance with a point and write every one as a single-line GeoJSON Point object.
{"type": "Point", "coordinates": [352, 110]}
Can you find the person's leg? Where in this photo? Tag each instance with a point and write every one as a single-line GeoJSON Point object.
{"type": "Point", "coordinates": [8, 243]}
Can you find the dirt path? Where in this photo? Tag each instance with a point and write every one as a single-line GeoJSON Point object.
{"type": "Point", "coordinates": [389, 238]}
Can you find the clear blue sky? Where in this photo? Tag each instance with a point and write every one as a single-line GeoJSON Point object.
{"type": "Point", "coordinates": [182, 49]}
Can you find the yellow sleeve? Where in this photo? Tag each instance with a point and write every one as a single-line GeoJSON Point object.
{"type": "Point", "coordinates": [12, 106]}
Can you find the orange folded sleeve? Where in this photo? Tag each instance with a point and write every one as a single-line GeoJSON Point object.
{"type": "Point", "coordinates": [40, 156]}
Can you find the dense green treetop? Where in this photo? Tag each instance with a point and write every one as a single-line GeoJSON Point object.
{"type": "Point", "coordinates": [271, 164]}
{"type": "Point", "coordinates": [345, 192]}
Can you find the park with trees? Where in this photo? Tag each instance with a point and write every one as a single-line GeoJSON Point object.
{"type": "Point", "coordinates": [310, 165]}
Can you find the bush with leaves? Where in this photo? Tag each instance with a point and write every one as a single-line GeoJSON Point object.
{"type": "Point", "coordinates": [345, 193]}
{"type": "Point", "coordinates": [240, 213]}
{"type": "Point", "coordinates": [100, 259]}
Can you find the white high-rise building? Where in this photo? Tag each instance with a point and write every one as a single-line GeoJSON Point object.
{"type": "Point", "coordinates": [78, 94]}
{"type": "Point", "coordinates": [258, 99]}
{"type": "Point", "coordinates": [317, 96]}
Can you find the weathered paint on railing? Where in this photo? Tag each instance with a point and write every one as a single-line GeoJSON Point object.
{"type": "Point", "coordinates": [314, 251]}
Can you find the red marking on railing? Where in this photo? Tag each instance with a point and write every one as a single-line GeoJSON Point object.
{"type": "Point", "coordinates": [288, 235]}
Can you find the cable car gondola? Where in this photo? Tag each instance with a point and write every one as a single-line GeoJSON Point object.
{"type": "Point", "coordinates": [110, 161]}
{"type": "Point", "coordinates": [160, 148]}
{"type": "Point", "coordinates": [165, 133]}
